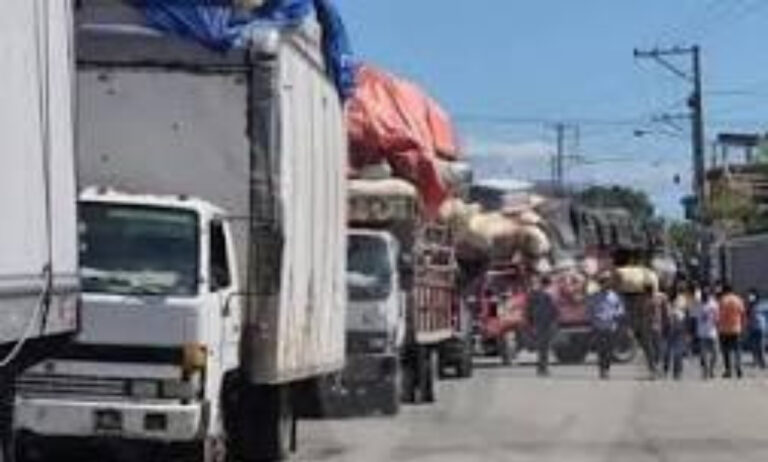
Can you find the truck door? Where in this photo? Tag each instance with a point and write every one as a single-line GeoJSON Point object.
{"type": "Point", "coordinates": [223, 287]}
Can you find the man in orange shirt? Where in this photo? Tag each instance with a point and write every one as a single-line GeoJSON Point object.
{"type": "Point", "coordinates": [731, 322]}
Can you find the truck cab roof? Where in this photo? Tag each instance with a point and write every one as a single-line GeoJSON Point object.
{"type": "Point", "coordinates": [371, 233]}
{"type": "Point", "coordinates": [109, 195]}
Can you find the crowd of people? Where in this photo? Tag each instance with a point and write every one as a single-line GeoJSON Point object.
{"type": "Point", "coordinates": [687, 321]}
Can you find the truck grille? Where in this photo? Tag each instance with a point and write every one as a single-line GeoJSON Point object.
{"type": "Point", "coordinates": [49, 385]}
{"type": "Point", "coordinates": [366, 342]}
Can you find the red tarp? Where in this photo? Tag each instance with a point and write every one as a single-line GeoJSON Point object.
{"type": "Point", "coordinates": [393, 120]}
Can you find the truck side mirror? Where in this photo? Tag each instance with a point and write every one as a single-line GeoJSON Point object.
{"type": "Point", "coordinates": [405, 262]}
{"type": "Point", "coordinates": [220, 276]}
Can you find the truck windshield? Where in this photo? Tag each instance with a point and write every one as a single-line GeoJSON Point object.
{"type": "Point", "coordinates": [503, 283]}
{"type": "Point", "coordinates": [369, 269]}
{"type": "Point", "coordinates": [138, 250]}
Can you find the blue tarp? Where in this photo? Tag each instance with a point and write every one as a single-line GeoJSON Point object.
{"type": "Point", "coordinates": [217, 25]}
{"type": "Point", "coordinates": [337, 47]}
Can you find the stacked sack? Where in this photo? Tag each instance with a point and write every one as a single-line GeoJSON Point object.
{"type": "Point", "coordinates": [390, 120]}
{"type": "Point", "coordinates": [636, 280]}
{"type": "Point", "coordinates": [497, 235]}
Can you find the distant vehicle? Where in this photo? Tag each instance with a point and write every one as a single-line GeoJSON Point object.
{"type": "Point", "coordinates": [214, 244]}
{"type": "Point", "coordinates": [371, 379]}
{"type": "Point", "coordinates": [500, 312]}
{"type": "Point", "coordinates": [39, 287]}
{"type": "Point", "coordinates": [417, 273]}
{"type": "Point", "coordinates": [743, 262]}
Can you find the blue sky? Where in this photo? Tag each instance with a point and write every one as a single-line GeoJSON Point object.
{"type": "Point", "coordinates": [505, 68]}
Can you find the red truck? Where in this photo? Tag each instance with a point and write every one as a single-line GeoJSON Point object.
{"type": "Point", "coordinates": [499, 302]}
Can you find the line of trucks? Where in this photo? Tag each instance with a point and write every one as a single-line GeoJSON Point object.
{"type": "Point", "coordinates": [219, 275]}
{"type": "Point", "coordinates": [194, 297]}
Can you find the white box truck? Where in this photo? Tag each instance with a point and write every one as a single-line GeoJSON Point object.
{"type": "Point", "coordinates": [38, 247]}
{"type": "Point", "coordinates": [213, 247]}
{"type": "Point", "coordinates": [742, 261]}
{"type": "Point", "coordinates": [403, 290]}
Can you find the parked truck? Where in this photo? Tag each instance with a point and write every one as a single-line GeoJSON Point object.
{"type": "Point", "coordinates": [213, 248]}
{"type": "Point", "coordinates": [401, 307]}
{"type": "Point", "coordinates": [371, 380]}
{"type": "Point", "coordinates": [740, 261]}
{"type": "Point", "coordinates": [39, 294]}
{"type": "Point", "coordinates": [585, 242]}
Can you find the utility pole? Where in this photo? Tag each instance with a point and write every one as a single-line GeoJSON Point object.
{"type": "Point", "coordinates": [697, 119]}
{"type": "Point", "coordinates": [696, 106]}
{"type": "Point", "coordinates": [560, 156]}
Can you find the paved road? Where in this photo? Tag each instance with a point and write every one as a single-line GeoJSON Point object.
{"type": "Point", "coordinates": [506, 414]}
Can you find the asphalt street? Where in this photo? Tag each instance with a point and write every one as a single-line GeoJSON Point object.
{"type": "Point", "coordinates": [508, 414]}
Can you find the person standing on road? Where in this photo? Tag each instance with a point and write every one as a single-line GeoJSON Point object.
{"type": "Point", "coordinates": [605, 310]}
{"type": "Point", "coordinates": [677, 332]}
{"type": "Point", "coordinates": [706, 316]}
{"type": "Point", "coordinates": [731, 324]}
{"type": "Point", "coordinates": [659, 328]}
{"type": "Point", "coordinates": [638, 284]}
{"type": "Point", "coordinates": [756, 328]}
{"type": "Point", "coordinates": [674, 343]}
{"type": "Point", "coordinates": [543, 316]}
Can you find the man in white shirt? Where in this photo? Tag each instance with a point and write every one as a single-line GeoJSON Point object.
{"type": "Point", "coordinates": [706, 316]}
{"type": "Point", "coordinates": [606, 309]}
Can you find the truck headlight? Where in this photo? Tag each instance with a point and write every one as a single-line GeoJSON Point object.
{"type": "Point", "coordinates": [177, 389]}
{"type": "Point", "coordinates": [377, 343]}
{"type": "Point", "coordinates": [194, 358]}
{"type": "Point", "coordinates": [144, 388]}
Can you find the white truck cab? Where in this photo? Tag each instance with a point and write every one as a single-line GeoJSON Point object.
{"type": "Point", "coordinates": [375, 325]}
{"type": "Point", "coordinates": [161, 326]}
{"type": "Point", "coordinates": [376, 316]}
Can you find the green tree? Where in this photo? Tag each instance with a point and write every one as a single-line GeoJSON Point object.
{"type": "Point", "coordinates": [730, 205]}
{"type": "Point", "coordinates": [683, 238]}
{"type": "Point", "coordinates": [634, 201]}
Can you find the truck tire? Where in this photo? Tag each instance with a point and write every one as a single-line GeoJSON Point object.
{"type": "Point", "coordinates": [6, 417]}
{"type": "Point", "coordinates": [429, 375]}
{"type": "Point", "coordinates": [570, 352]}
{"type": "Point", "coordinates": [465, 367]}
{"type": "Point", "coordinates": [389, 395]}
{"type": "Point", "coordinates": [419, 375]}
{"type": "Point", "coordinates": [508, 348]}
{"type": "Point", "coordinates": [624, 347]}
{"type": "Point", "coordinates": [259, 422]}
{"type": "Point", "coordinates": [408, 377]}
{"type": "Point", "coordinates": [443, 368]}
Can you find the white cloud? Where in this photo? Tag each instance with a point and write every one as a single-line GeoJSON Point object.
{"type": "Point", "coordinates": [523, 160]}
{"type": "Point", "coordinates": [479, 148]}
{"type": "Point", "coordinates": [531, 160]}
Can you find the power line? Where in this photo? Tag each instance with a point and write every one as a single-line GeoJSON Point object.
{"type": "Point", "coordinates": [715, 13]}
{"type": "Point", "coordinates": [497, 119]}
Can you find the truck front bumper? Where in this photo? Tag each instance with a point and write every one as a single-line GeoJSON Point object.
{"type": "Point", "coordinates": [366, 369]}
{"type": "Point", "coordinates": [163, 422]}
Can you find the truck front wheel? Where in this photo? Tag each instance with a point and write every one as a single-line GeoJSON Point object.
{"type": "Point", "coordinates": [465, 366]}
{"type": "Point", "coordinates": [571, 352]}
{"type": "Point", "coordinates": [259, 422]}
{"type": "Point", "coordinates": [624, 347]}
{"type": "Point", "coordinates": [508, 348]}
{"type": "Point", "coordinates": [429, 375]}
{"type": "Point", "coordinates": [419, 374]}
{"type": "Point", "coordinates": [390, 395]}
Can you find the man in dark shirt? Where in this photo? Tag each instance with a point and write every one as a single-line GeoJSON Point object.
{"type": "Point", "coordinates": [542, 314]}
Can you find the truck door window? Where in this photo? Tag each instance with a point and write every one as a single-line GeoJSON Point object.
{"type": "Point", "coordinates": [219, 264]}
